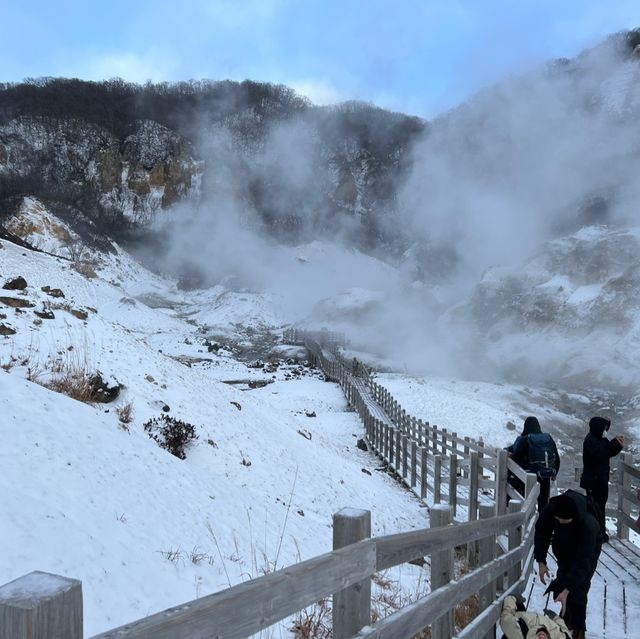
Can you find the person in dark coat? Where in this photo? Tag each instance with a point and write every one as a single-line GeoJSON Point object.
{"type": "Point", "coordinates": [597, 450]}
{"type": "Point", "coordinates": [519, 452]}
{"type": "Point", "coordinates": [574, 534]}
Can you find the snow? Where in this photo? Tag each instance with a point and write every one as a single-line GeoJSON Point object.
{"type": "Point", "coordinates": [34, 585]}
{"type": "Point", "coordinates": [142, 529]}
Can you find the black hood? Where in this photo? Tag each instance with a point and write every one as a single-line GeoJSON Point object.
{"type": "Point", "coordinates": [578, 499]}
{"type": "Point", "coordinates": [597, 426]}
{"type": "Point", "coordinates": [531, 426]}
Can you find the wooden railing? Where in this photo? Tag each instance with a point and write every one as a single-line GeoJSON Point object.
{"type": "Point", "coordinates": [435, 463]}
{"type": "Point", "coordinates": [43, 605]}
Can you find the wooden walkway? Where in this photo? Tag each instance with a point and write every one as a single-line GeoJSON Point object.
{"type": "Point", "coordinates": [614, 598]}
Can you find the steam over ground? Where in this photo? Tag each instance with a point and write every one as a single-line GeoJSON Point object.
{"type": "Point", "coordinates": [484, 187]}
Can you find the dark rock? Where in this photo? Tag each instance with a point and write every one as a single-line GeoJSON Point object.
{"type": "Point", "coordinates": [45, 314]}
{"type": "Point", "coordinates": [6, 330]}
{"type": "Point", "coordinates": [16, 284]}
{"type": "Point", "coordinates": [101, 391]}
{"type": "Point", "coordinates": [310, 413]}
{"type": "Point", "coordinates": [362, 445]}
{"type": "Point", "coordinates": [14, 302]}
{"type": "Point", "coordinates": [52, 292]}
{"type": "Point", "coordinates": [365, 471]}
{"type": "Point", "coordinates": [166, 408]}
{"type": "Point", "coordinates": [511, 426]}
{"type": "Point", "coordinates": [82, 315]}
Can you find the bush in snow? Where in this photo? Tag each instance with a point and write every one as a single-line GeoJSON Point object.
{"type": "Point", "coordinates": [171, 434]}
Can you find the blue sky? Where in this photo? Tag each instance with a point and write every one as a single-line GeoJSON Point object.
{"type": "Point", "coordinates": [414, 56]}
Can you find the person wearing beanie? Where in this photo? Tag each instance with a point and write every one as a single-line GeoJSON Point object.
{"type": "Point", "coordinates": [537, 453]}
{"type": "Point", "coordinates": [569, 525]}
{"type": "Point", "coordinates": [597, 450]}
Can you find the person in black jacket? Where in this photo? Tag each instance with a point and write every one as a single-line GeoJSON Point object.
{"type": "Point", "coordinates": [574, 534]}
{"type": "Point", "coordinates": [519, 452]}
{"type": "Point", "coordinates": [597, 450]}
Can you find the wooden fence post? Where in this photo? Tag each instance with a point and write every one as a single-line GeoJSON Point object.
{"type": "Point", "coordinates": [474, 477]}
{"type": "Point", "coordinates": [487, 551]}
{"type": "Point", "coordinates": [515, 539]}
{"type": "Point", "coordinates": [437, 478]}
{"type": "Point", "coordinates": [405, 461]}
{"type": "Point", "coordinates": [385, 439]}
{"type": "Point", "coordinates": [501, 482]}
{"type": "Point", "coordinates": [474, 480]}
{"type": "Point", "coordinates": [351, 606]}
{"type": "Point", "coordinates": [41, 605]}
{"type": "Point", "coordinates": [414, 463]}
{"type": "Point", "coordinates": [624, 483]}
{"type": "Point", "coordinates": [530, 482]}
{"type": "Point", "coordinates": [441, 572]}
{"type": "Point", "coordinates": [424, 478]}
{"type": "Point", "coordinates": [453, 483]}
{"type": "Point", "coordinates": [392, 442]}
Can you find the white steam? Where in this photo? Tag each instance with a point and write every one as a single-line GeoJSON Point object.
{"type": "Point", "coordinates": [517, 165]}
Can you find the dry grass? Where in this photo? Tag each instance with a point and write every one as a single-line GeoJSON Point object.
{"type": "Point", "coordinates": [466, 612]}
{"type": "Point", "coordinates": [125, 414]}
{"type": "Point", "coordinates": [75, 383]}
{"type": "Point", "coordinates": [9, 364]}
{"type": "Point", "coordinates": [313, 622]}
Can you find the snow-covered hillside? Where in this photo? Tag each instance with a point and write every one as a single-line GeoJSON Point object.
{"type": "Point", "coordinates": [144, 530]}
{"type": "Point", "coordinates": [570, 314]}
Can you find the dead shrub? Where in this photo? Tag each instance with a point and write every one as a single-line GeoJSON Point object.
{"type": "Point", "coordinates": [78, 383]}
{"type": "Point", "coordinates": [313, 622]}
{"type": "Point", "coordinates": [75, 383]}
{"type": "Point", "coordinates": [125, 414]}
{"type": "Point", "coordinates": [466, 612]}
{"type": "Point", "coordinates": [171, 434]}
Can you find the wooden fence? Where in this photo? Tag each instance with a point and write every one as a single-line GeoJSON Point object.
{"type": "Point", "coordinates": [435, 463]}
{"type": "Point", "coordinates": [40, 605]}
{"type": "Point", "coordinates": [462, 476]}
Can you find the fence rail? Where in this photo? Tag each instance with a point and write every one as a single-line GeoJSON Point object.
{"type": "Point", "coordinates": [455, 471]}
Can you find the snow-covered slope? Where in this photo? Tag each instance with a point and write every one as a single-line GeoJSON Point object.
{"type": "Point", "coordinates": [569, 315]}
{"type": "Point", "coordinates": [143, 529]}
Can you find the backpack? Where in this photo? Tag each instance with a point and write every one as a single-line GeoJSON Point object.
{"type": "Point", "coordinates": [542, 456]}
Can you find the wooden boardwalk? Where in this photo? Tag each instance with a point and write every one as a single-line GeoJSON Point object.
{"type": "Point", "coordinates": [614, 598]}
